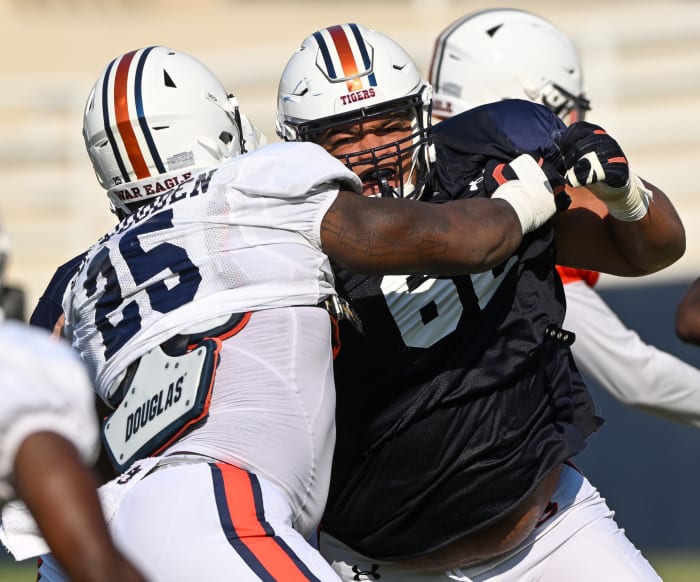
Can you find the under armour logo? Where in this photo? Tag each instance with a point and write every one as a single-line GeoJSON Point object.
{"type": "Point", "coordinates": [474, 184]}
{"type": "Point", "coordinates": [371, 574]}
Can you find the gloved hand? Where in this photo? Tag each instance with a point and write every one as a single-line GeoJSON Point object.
{"type": "Point", "coordinates": [594, 159]}
{"type": "Point", "coordinates": [536, 192]}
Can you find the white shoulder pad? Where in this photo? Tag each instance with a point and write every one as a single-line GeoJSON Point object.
{"type": "Point", "coordinates": [287, 170]}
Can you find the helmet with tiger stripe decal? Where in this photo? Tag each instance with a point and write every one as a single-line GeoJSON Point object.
{"type": "Point", "coordinates": [348, 74]}
{"type": "Point", "coordinates": [153, 116]}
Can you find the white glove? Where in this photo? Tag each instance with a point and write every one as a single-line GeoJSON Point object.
{"type": "Point", "coordinates": [528, 189]}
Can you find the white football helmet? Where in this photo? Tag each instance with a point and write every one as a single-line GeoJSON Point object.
{"type": "Point", "coordinates": [153, 116]}
{"type": "Point", "coordinates": [497, 54]}
{"type": "Point", "coordinates": [345, 74]}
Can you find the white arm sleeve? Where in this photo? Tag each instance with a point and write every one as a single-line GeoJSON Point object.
{"type": "Point", "coordinates": [617, 359]}
{"type": "Point", "coordinates": [43, 387]}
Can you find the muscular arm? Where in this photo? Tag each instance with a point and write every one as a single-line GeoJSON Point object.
{"type": "Point", "coordinates": [392, 236]}
{"type": "Point", "coordinates": [588, 237]}
{"type": "Point", "coordinates": [688, 315]}
{"type": "Point", "coordinates": [61, 494]}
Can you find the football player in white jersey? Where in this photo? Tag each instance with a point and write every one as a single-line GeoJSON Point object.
{"type": "Point", "coordinates": [202, 315]}
{"type": "Point", "coordinates": [507, 53]}
{"type": "Point", "coordinates": [48, 436]}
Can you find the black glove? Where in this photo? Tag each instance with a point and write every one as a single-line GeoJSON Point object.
{"type": "Point", "coordinates": [594, 159]}
{"type": "Point", "coordinates": [591, 156]}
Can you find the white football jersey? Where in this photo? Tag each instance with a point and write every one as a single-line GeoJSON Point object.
{"type": "Point", "coordinates": [241, 236]}
{"type": "Point", "coordinates": [43, 387]}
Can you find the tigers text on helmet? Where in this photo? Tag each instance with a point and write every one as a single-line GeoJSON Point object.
{"type": "Point", "coordinates": [348, 75]}
{"type": "Point", "coordinates": [497, 54]}
{"type": "Point", "coordinates": [153, 116]}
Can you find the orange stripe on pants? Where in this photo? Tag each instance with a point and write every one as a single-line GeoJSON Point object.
{"type": "Point", "coordinates": [244, 507]}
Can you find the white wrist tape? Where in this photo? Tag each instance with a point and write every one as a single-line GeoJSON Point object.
{"type": "Point", "coordinates": [530, 195]}
{"type": "Point", "coordinates": [628, 203]}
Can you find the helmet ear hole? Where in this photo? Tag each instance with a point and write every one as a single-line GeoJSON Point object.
{"type": "Point", "coordinates": [226, 137]}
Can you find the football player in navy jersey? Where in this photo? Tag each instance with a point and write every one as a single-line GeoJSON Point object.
{"type": "Point", "coordinates": [459, 406]}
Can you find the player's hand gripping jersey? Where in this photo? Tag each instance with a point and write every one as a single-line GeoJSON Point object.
{"type": "Point", "coordinates": [508, 405]}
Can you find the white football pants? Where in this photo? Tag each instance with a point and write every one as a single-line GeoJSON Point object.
{"type": "Point", "coordinates": [209, 521]}
{"type": "Point", "coordinates": [580, 543]}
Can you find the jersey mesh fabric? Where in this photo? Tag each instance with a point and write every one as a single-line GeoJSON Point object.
{"type": "Point", "coordinates": [441, 436]}
{"type": "Point", "coordinates": [241, 237]}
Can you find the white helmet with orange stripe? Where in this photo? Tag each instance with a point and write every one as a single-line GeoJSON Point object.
{"type": "Point", "coordinates": [348, 74]}
{"type": "Point", "coordinates": [506, 53]}
{"type": "Point", "coordinates": [153, 116]}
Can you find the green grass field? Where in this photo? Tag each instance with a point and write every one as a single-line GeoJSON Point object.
{"type": "Point", "coordinates": [676, 568]}
{"type": "Point", "coordinates": [671, 568]}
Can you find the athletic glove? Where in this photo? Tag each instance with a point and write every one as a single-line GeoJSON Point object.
{"type": "Point", "coordinates": [534, 190]}
{"type": "Point", "coordinates": [594, 159]}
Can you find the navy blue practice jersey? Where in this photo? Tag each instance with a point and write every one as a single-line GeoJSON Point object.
{"type": "Point", "coordinates": [454, 400]}
{"type": "Point", "coordinates": [49, 307]}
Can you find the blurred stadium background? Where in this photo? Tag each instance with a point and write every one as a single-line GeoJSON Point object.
{"type": "Point", "coordinates": [642, 65]}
